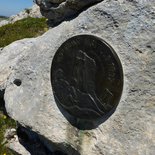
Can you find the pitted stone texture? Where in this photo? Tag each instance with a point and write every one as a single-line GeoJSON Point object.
{"type": "Point", "coordinates": [129, 28]}
{"type": "Point", "coordinates": [58, 10]}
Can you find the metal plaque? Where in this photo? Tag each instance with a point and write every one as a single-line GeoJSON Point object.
{"type": "Point", "coordinates": [87, 77]}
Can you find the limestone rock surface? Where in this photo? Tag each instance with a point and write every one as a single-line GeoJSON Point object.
{"type": "Point", "coordinates": [58, 10]}
{"type": "Point", "coordinates": [129, 27]}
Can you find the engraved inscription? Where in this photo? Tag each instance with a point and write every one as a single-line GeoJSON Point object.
{"type": "Point", "coordinates": [87, 77]}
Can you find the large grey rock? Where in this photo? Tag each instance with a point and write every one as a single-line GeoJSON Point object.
{"type": "Point", "coordinates": [58, 10]}
{"type": "Point", "coordinates": [129, 27]}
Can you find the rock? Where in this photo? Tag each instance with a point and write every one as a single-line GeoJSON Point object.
{"type": "Point", "coordinates": [19, 16]}
{"type": "Point", "coordinates": [15, 146]}
{"type": "Point", "coordinates": [10, 133]}
{"type": "Point", "coordinates": [26, 142]}
{"type": "Point", "coordinates": [58, 10]}
{"type": "Point", "coordinates": [11, 140]}
{"type": "Point", "coordinates": [31, 12]}
{"type": "Point", "coordinates": [3, 22]}
{"type": "Point", "coordinates": [35, 12]}
{"type": "Point", "coordinates": [128, 26]}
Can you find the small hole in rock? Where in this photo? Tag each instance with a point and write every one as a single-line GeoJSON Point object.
{"type": "Point", "coordinates": [148, 46]}
{"type": "Point", "coordinates": [17, 82]}
{"type": "Point", "coordinates": [116, 25]}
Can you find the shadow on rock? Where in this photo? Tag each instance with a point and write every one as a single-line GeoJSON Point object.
{"type": "Point", "coordinates": [35, 145]}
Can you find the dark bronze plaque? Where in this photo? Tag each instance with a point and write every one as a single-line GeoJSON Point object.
{"type": "Point", "coordinates": [87, 77]}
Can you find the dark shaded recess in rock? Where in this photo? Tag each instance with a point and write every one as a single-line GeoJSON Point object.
{"type": "Point", "coordinates": [64, 10]}
{"type": "Point", "coordinates": [31, 142]}
{"type": "Point", "coordinates": [2, 102]}
{"type": "Point", "coordinates": [37, 145]}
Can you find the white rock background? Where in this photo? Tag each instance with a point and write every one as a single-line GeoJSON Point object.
{"type": "Point", "coordinates": [32, 12]}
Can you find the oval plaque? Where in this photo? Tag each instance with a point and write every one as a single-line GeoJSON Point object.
{"type": "Point", "coordinates": [87, 77]}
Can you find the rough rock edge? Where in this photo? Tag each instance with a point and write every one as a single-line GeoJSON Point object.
{"type": "Point", "coordinates": [59, 10]}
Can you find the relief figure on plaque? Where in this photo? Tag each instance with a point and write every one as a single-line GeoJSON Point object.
{"type": "Point", "coordinates": [87, 77]}
{"type": "Point", "coordinates": [79, 88]}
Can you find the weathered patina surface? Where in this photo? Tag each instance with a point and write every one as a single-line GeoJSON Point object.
{"type": "Point", "coordinates": [87, 77]}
